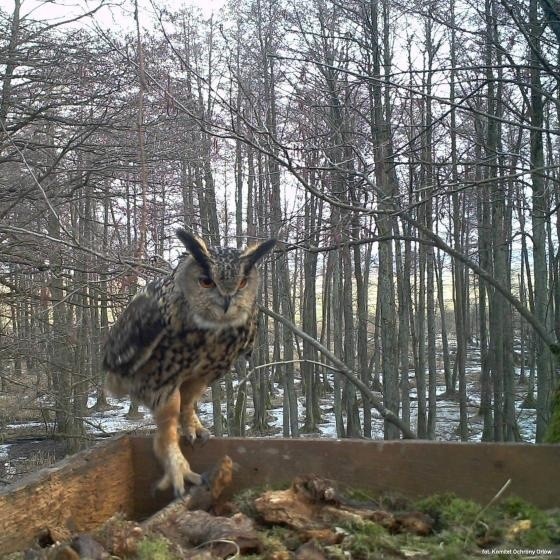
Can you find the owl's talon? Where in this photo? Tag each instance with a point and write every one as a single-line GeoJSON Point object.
{"type": "Point", "coordinates": [190, 436]}
{"type": "Point", "coordinates": [193, 434]}
{"type": "Point", "coordinates": [203, 435]}
{"type": "Point", "coordinates": [176, 471]}
{"type": "Point", "coordinates": [205, 479]}
{"type": "Point", "coordinates": [194, 478]}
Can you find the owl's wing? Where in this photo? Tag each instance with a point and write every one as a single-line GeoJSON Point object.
{"type": "Point", "coordinates": [136, 333]}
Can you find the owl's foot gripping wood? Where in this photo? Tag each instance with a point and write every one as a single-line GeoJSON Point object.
{"type": "Point", "coordinates": [167, 450]}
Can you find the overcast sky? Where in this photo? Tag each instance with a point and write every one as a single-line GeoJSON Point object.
{"type": "Point", "coordinates": [120, 14]}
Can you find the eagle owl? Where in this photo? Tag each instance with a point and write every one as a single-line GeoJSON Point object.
{"type": "Point", "coordinates": [178, 335]}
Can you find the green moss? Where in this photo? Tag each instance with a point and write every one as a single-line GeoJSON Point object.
{"type": "Point", "coordinates": [277, 542]}
{"type": "Point", "coordinates": [155, 548]}
{"type": "Point", "coordinates": [445, 545]}
{"type": "Point", "coordinates": [368, 540]}
{"type": "Point", "coordinates": [371, 541]}
{"type": "Point", "coordinates": [449, 511]}
{"type": "Point", "coordinates": [517, 508]}
{"type": "Point", "coordinates": [366, 529]}
{"type": "Point", "coordinates": [459, 523]}
{"type": "Point", "coordinates": [334, 552]}
{"type": "Point", "coordinates": [287, 537]}
{"type": "Point", "coordinates": [358, 495]}
{"type": "Point", "coordinates": [245, 501]}
{"type": "Point", "coordinates": [545, 526]}
{"type": "Point", "coordinates": [554, 527]}
{"type": "Point", "coordinates": [533, 538]}
{"type": "Point", "coordinates": [435, 550]}
{"type": "Point", "coordinates": [390, 501]}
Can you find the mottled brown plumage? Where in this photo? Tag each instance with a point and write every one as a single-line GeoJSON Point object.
{"type": "Point", "coordinates": [181, 333]}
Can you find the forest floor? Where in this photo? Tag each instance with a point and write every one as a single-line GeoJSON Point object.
{"type": "Point", "coordinates": [26, 444]}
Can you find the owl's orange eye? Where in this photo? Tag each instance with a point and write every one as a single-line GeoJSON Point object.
{"type": "Point", "coordinates": [243, 283]}
{"type": "Point", "coordinates": [206, 282]}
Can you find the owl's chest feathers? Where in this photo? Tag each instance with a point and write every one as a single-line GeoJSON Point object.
{"type": "Point", "coordinates": [185, 351]}
{"type": "Point", "coordinates": [201, 350]}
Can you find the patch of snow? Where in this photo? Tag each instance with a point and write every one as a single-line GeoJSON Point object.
{"type": "Point", "coordinates": [114, 420]}
{"type": "Point", "coordinates": [447, 410]}
{"type": "Point", "coordinates": [20, 425]}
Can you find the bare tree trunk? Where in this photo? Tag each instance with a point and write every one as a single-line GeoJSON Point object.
{"type": "Point", "coordinates": [386, 183]}
{"type": "Point", "coordinates": [458, 221]}
{"type": "Point", "coordinates": [309, 320]}
{"type": "Point", "coordinates": [539, 216]}
{"type": "Point", "coordinates": [430, 257]}
{"type": "Point", "coordinates": [443, 320]}
{"type": "Point", "coordinates": [59, 359]}
{"type": "Point", "coordinates": [483, 220]}
{"type": "Point", "coordinates": [404, 295]}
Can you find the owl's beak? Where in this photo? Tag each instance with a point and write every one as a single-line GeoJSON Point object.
{"type": "Point", "coordinates": [227, 301]}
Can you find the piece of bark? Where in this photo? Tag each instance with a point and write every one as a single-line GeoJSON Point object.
{"type": "Point", "coordinates": [188, 529]}
{"type": "Point", "coordinates": [186, 523]}
{"type": "Point", "coordinates": [316, 489]}
{"type": "Point", "coordinates": [285, 507]}
{"type": "Point", "coordinates": [120, 536]}
{"type": "Point", "coordinates": [312, 503]}
{"type": "Point", "coordinates": [207, 496]}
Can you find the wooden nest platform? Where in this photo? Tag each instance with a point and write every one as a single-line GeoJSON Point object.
{"type": "Point", "coordinates": [80, 493]}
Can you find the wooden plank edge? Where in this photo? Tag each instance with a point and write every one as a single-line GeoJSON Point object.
{"type": "Point", "coordinates": [77, 494]}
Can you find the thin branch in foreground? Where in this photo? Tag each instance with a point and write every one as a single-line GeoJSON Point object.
{"type": "Point", "coordinates": [481, 512]}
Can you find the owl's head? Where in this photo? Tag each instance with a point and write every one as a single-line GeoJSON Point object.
{"type": "Point", "coordinates": [220, 283]}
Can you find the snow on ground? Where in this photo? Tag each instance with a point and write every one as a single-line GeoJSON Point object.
{"type": "Point", "coordinates": [4, 456]}
{"type": "Point", "coordinates": [114, 420]}
{"type": "Point", "coordinates": [6, 467]}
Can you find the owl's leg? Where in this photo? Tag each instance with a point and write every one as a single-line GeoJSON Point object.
{"type": "Point", "coordinates": [190, 422]}
{"type": "Point", "coordinates": [167, 450]}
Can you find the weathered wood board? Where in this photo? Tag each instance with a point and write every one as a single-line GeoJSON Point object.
{"type": "Point", "coordinates": [414, 468]}
{"type": "Point", "coordinates": [83, 491]}
{"type": "Point", "coordinates": [78, 493]}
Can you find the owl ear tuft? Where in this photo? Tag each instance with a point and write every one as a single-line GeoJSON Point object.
{"type": "Point", "coordinates": [196, 247]}
{"type": "Point", "coordinates": [255, 253]}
